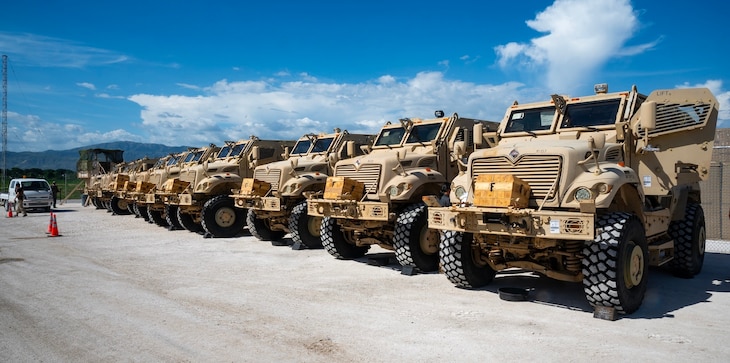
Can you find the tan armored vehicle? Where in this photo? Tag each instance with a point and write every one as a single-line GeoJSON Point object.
{"type": "Point", "coordinates": [153, 203]}
{"type": "Point", "coordinates": [275, 196]}
{"type": "Point", "coordinates": [202, 191]}
{"type": "Point", "coordinates": [377, 198]}
{"type": "Point", "coordinates": [91, 166]}
{"type": "Point", "coordinates": [593, 189]}
{"type": "Point", "coordinates": [124, 182]}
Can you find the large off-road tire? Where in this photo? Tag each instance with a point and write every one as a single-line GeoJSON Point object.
{"type": "Point", "coordinates": [260, 228]}
{"type": "Point", "coordinates": [171, 217]}
{"type": "Point", "coordinates": [188, 222]}
{"type": "Point", "coordinates": [616, 263]}
{"type": "Point", "coordinates": [142, 212]}
{"type": "Point", "coordinates": [459, 263]}
{"type": "Point", "coordinates": [333, 240]}
{"type": "Point", "coordinates": [157, 217]}
{"type": "Point", "coordinates": [220, 217]}
{"type": "Point", "coordinates": [97, 203]}
{"type": "Point", "coordinates": [130, 208]}
{"type": "Point", "coordinates": [118, 206]}
{"type": "Point", "coordinates": [304, 228]}
{"type": "Point", "coordinates": [689, 242]}
{"type": "Point", "coordinates": [415, 244]}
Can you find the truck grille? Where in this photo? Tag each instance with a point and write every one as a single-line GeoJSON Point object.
{"type": "Point", "coordinates": [272, 177]}
{"type": "Point", "coordinates": [369, 174]}
{"type": "Point", "coordinates": [538, 171]}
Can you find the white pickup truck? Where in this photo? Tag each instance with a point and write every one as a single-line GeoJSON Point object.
{"type": "Point", "coordinates": [37, 194]}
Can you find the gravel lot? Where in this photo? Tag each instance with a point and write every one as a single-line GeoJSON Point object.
{"type": "Point", "coordinates": [115, 288]}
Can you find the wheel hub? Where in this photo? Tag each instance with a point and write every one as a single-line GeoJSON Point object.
{"type": "Point", "coordinates": [313, 225]}
{"type": "Point", "coordinates": [634, 271]}
{"type": "Point", "coordinates": [702, 240]}
{"type": "Point", "coordinates": [225, 217]}
{"type": "Point", "coordinates": [429, 241]}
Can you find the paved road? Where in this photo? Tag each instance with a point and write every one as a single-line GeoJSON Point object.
{"type": "Point", "coordinates": [115, 288]}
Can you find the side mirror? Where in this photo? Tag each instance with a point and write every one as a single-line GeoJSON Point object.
{"type": "Point", "coordinates": [365, 149]}
{"type": "Point", "coordinates": [286, 153]}
{"type": "Point", "coordinates": [350, 149]}
{"type": "Point", "coordinates": [459, 149]}
{"type": "Point", "coordinates": [294, 162]}
{"type": "Point", "coordinates": [598, 140]}
{"type": "Point", "coordinates": [478, 134]}
{"type": "Point", "coordinates": [255, 153]}
{"type": "Point", "coordinates": [647, 115]}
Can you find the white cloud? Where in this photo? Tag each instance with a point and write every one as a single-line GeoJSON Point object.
{"type": "Point", "coordinates": [233, 110]}
{"type": "Point", "coordinates": [87, 85]}
{"type": "Point", "coordinates": [580, 36]}
{"type": "Point", "coordinates": [42, 51]}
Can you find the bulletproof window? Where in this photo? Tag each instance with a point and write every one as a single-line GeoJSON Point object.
{"type": "Point", "coordinates": [538, 119]}
{"type": "Point", "coordinates": [591, 114]}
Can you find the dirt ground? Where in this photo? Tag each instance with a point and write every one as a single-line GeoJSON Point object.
{"type": "Point", "coordinates": [115, 288]}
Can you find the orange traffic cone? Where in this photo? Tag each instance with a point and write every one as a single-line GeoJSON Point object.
{"type": "Point", "coordinates": [54, 227]}
{"type": "Point", "coordinates": [10, 210]}
{"type": "Point", "coordinates": [50, 224]}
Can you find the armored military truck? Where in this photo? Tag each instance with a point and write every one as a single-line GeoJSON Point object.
{"type": "Point", "coordinates": [377, 198]}
{"type": "Point", "coordinates": [202, 191]}
{"type": "Point", "coordinates": [153, 202]}
{"type": "Point", "coordinates": [275, 196]}
{"type": "Point", "coordinates": [91, 166]}
{"type": "Point", "coordinates": [588, 189]}
{"type": "Point", "coordinates": [124, 183]}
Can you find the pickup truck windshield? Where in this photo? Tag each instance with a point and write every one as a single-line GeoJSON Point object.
{"type": "Point", "coordinates": [35, 185]}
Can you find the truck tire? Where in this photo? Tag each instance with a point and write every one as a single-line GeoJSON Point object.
{"type": "Point", "coordinates": [188, 222]}
{"type": "Point", "coordinates": [142, 212]}
{"type": "Point", "coordinates": [689, 242]}
{"type": "Point", "coordinates": [616, 263]}
{"type": "Point", "coordinates": [414, 243]}
{"type": "Point", "coordinates": [260, 228]}
{"type": "Point", "coordinates": [220, 218]}
{"type": "Point", "coordinates": [157, 217]}
{"type": "Point", "coordinates": [118, 206]}
{"type": "Point", "coordinates": [458, 262]}
{"type": "Point", "coordinates": [171, 217]}
{"type": "Point", "coordinates": [333, 240]}
{"type": "Point", "coordinates": [130, 208]}
{"type": "Point", "coordinates": [305, 229]}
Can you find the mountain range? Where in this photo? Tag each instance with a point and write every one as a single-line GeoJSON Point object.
{"type": "Point", "coordinates": [66, 159]}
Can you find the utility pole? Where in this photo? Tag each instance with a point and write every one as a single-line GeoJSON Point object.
{"type": "Point", "coordinates": [5, 117]}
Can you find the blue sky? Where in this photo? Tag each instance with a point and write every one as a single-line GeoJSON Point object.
{"type": "Point", "coordinates": [194, 73]}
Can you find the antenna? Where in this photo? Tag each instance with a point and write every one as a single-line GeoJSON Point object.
{"type": "Point", "coordinates": [5, 116]}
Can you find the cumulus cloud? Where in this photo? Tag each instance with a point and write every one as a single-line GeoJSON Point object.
{"type": "Point", "coordinates": [86, 85]}
{"type": "Point", "coordinates": [579, 37]}
{"type": "Point", "coordinates": [236, 109]}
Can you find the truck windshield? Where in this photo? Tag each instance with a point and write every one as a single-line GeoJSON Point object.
{"type": "Point", "coordinates": [591, 114]}
{"type": "Point", "coordinates": [322, 145]}
{"type": "Point", "coordinates": [390, 136]}
{"type": "Point", "coordinates": [537, 119]}
{"type": "Point", "coordinates": [35, 185]}
{"type": "Point", "coordinates": [302, 147]}
{"type": "Point", "coordinates": [423, 133]}
{"type": "Point", "coordinates": [238, 149]}
{"type": "Point", "coordinates": [173, 160]}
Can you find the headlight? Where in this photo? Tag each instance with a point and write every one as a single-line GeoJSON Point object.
{"type": "Point", "coordinates": [393, 190]}
{"type": "Point", "coordinates": [604, 188]}
{"type": "Point", "coordinates": [583, 193]}
{"type": "Point", "coordinates": [460, 192]}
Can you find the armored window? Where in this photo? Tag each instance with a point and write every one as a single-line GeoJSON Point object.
{"type": "Point", "coordinates": [538, 119]}
{"type": "Point", "coordinates": [423, 133]}
{"type": "Point", "coordinates": [390, 136]}
{"type": "Point", "coordinates": [301, 147]}
{"type": "Point", "coordinates": [322, 145]}
{"type": "Point", "coordinates": [591, 114]}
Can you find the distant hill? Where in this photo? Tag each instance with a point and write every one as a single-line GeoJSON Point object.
{"type": "Point", "coordinates": [66, 159]}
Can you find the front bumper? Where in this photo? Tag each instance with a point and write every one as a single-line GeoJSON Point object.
{"type": "Point", "coordinates": [349, 209]}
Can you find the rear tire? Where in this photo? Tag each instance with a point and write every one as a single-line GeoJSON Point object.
{"type": "Point", "coordinates": [260, 228]}
{"type": "Point", "coordinates": [118, 206]}
{"type": "Point", "coordinates": [220, 218]}
{"type": "Point", "coordinates": [171, 217]}
{"type": "Point", "coordinates": [333, 240]}
{"type": "Point", "coordinates": [616, 263]}
{"type": "Point", "coordinates": [188, 222]}
{"type": "Point", "coordinates": [305, 229]}
{"type": "Point", "coordinates": [415, 244]}
{"type": "Point", "coordinates": [458, 262]}
{"type": "Point", "coordinates": [689, 242]}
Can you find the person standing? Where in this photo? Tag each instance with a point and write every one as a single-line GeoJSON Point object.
{"type": "Point", "coordinates": [445, 200]}
{"type": "Point", "coordinates": [19, 198]}
{"type": "Point", "coordinates": [54, 192]}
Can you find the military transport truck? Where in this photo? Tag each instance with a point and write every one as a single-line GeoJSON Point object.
{"type": "Point", "coordinates": [275, 196]}
{"type": "Point", "coordinates": [377, 198]}
{"type": "Point", "coordinates": [202, 191]}
{"type": "Point", "coordinates": [153, 203]}
{"type": "Point", "coordinates": [124, 183]}
{"type": "Point", "coordinates": [91, 166]}
{"type": "Point", "coordinates": [142, 185]}
{"type": "Point", "coordinates": [195, 156]}
{"type": "Point", "coordinates": [593, 189]}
